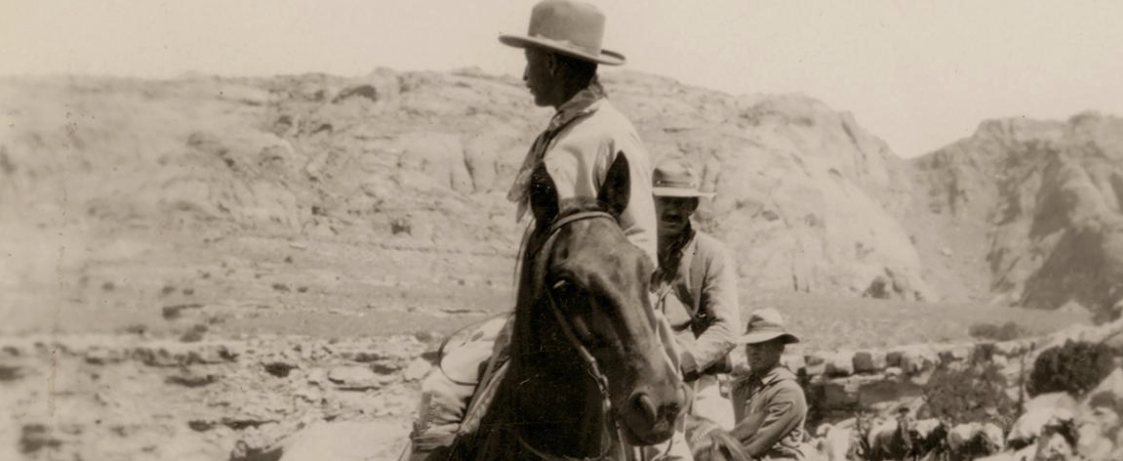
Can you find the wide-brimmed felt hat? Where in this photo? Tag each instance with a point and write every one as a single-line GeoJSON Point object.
{"type": "Point", "coordinates": [766, 325]}
{"type": "Point", "coordinates": [675, 177]}
{"type": "Point", "coordinates": [572, 28]}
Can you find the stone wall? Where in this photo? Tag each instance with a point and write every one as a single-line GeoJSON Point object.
{"type": "Point", "coordinates": [841, 383]}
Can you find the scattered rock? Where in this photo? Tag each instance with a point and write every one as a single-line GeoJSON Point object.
{"type": "Point", "coordinates": [956, 353]}
{"type": "Point", "coordinates": [356, 378]}
{"type": "Point", "coordinates": [11, 373]}
{"type": "Point", "coordinates": [386, 367]}
{"type": "Point", "coordinates": [869, 362]}
{"type": "Point", "coordinates": [35, 438]}
{"type": "Point", "coordinates": [878, 288]}
{"type": "Point", "coordinates": [189, 379]}
{"type": "Point", "coordinates": [914, 359]}
{"type": "Point", "coordinates": [244, 452]}
{"type": "Point", "coordinates": [279, 369]}
{"type": "Point", "coordinates": [816, 364]}
{"type": "Point", "coordinates": [194, 335]}
{"type": "Point", "coordinates": [840, 364]}
{"type": "Point", "coordinates": [174, 311]}
{"type": "Point", "coordinates": [104, 356]}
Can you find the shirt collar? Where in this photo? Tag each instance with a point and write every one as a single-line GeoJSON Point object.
{"type": "Point", "coordinates": [777, 373]}
{"type": "Point", "coordinates": [584, 102]}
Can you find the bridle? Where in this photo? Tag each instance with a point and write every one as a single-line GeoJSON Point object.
{"type": "Point", "coordinates": [588, 361]}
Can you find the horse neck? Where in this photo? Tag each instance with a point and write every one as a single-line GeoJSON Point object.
{"type": "Point", "coordinates": [560, 408]}
{"type": "Point", "coordinates": [558, 404]}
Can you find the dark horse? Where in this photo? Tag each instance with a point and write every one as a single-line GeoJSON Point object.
{"type": "Point", "coordinates": [587, 375]}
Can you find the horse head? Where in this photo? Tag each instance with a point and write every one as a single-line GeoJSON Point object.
{"type": "Point", "coordinates": [585, 329]}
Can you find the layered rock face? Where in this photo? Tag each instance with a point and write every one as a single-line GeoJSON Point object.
{"type": "Point", "coordinates": [424, 160]}
{"type": "Point", "coordinates": [1050, 196]}
{"type": "Point", "coordinates": [1023, 212]}
{"type": "Point", "coordinates": [804, 194]}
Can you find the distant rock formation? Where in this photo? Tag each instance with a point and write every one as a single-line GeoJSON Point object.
{"type": "Point", "coordinates": [807, 199]}
{"type": "Point", "coordinates": [1049, 195]}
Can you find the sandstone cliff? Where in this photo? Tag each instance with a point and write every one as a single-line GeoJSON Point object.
{"type": "Point", "coordinates": [1043, 199]}
{"type": "Point", "coordinates": [423, 160]}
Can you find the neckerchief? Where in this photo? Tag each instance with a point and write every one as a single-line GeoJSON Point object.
{"type": "Point", "coordinates": [669, 260]}
{"type": "Point", "coordinates": [582, 103]}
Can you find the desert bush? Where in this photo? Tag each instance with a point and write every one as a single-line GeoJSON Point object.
{"type": "Point", "coordinates": [973, 393]}
{"type": "Point", "coordinates": [1075, 367]}
{"type": "Point", "coordinates": [995, 332]}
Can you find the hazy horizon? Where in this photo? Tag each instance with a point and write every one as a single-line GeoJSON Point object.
{"type": "Point", "coordinates": [919, 75]}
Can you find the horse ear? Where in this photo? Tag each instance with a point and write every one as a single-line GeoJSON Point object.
{"type": "Point", "coordinates": [617, 188]}
{"type": "Point", "coordinates": [543, 196]}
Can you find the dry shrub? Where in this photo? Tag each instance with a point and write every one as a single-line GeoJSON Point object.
{"type": "Point", "coordinates": [1076, 367]}
{"type": "Point", "coordinates": [973, 393]}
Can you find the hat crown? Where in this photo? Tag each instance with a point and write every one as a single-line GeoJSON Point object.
{"type": "Point", "coordinates": [576, 23]}
{"type": "Point", "coordinates": [676, 173]}
{"type": "Point", "coordinates": [765, 319]}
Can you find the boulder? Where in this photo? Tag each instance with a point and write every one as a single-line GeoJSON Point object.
{"type": "Point", "coordinates": [916, 358]}
{"type": "Point", "coordinates": [869, 361]}
{"type": "Point", "coordinates": [840, 363]}
{"type": "Point", "coordinates": [357, 378]}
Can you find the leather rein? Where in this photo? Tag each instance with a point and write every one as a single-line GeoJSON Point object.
{"type": "Point", "coordinates": [587, 359]}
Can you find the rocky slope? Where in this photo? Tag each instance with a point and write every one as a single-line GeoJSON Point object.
{"type": "Point", "coordinates": [423, 160]}
{"type": "Point", "coordinates": [1043, 202]}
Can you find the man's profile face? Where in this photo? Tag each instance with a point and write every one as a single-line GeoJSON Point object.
{"type": "Point", "coordinates": [537, 76]}
{"type": "Point", "coordinates": [674, 213]}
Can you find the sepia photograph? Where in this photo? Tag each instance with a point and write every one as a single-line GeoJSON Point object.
{"type": "Point", "coordinates": [561, 230]}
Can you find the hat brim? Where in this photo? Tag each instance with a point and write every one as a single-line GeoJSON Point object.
{"type": "Point", "coordinates": [679, 192]}
{"type": "Point", "coordinates": [606, 57]}
{"type": "Point", "coordinates": [756, 338]}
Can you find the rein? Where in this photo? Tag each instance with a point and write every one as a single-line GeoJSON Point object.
{"type": "Point", "coordinates": [586, 357]}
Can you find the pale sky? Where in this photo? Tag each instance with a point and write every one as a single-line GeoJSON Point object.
{"type": "Point", "coordinates": [919, 74]}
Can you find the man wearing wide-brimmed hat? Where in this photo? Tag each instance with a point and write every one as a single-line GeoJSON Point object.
{"type": "Point", "coordinates": [586, 135]}
{"type": "Point", "coordinates": [696, 288]}
{"type": "Point", "coordinates": [769, 403]}
{"type": "Point", "coordinates": [563, 49]}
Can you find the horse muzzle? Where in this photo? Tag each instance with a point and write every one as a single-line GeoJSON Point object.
{"type": "Point", "coordinates": [649, 414]}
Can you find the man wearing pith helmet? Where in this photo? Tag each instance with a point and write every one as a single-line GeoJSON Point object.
{"type": "Point", "coordinates": [696, 288]}
{"type": "Point", "coordinates": [769, 404]}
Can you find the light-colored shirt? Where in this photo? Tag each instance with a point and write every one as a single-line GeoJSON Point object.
{"type": "Point", "coordinates": [770, 411]}
{"type": "Point", "coordinates": [700, 302]}
{"type": "Point", "coordinates": [583, 139]}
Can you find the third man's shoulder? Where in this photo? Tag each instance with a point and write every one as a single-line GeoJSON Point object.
{"type": "Point", "coordinates": [709, 244]}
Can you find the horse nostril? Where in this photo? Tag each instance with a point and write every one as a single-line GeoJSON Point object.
{"type": "Point", "coordinates": [644, 406]}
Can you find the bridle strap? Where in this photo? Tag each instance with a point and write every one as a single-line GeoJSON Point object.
{"type": "Point", "coordinates": [587, 358]}
{"type": "Point", "coordinates": [570, 219]}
